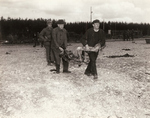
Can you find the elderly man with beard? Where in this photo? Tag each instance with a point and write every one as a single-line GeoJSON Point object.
{"type": "Point", "coordinates": [94, 37]}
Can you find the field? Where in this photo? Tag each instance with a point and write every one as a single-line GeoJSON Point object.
{"type": "Point", "coordinates": [29, 90]}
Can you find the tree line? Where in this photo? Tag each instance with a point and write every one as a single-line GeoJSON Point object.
{"type": "Point", "coordinates": [26, 27]}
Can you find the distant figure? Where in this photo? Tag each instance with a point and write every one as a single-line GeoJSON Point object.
{"type": "Point", "coordinates": [124, 35]}
{"type": "Point", "coordinates": [94, 37]}
{"type": "Point", "coordinates": [10, 38]}
{"type": "Point", "coordinates": [41, 42]}
{"type": "Point", "coordinates": [109, 33]}
{"type": "Point", "coordinates": [128, 35]}
{"type": "Point", "coordinates": [16, 38]}
{"type": "Point", "coordinates": [35, 39]}
{"type": "Point", "coordinates": [59, 45]}
{"type": "Point", "coordinates": [46, 37]}
{"type": "Point", "coordinates": [132, 36]}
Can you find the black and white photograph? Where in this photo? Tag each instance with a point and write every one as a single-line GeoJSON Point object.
{"type": "Point", "coordinates": [74, 59]}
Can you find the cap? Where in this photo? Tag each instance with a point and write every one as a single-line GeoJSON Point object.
{"type": "Point", "coordinates": [60, 21]}
{"type": "Point", "coordinates": [95, 21]}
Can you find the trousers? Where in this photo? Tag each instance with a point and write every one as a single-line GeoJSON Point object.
{"type": "Point", "coordinates": [91, 68]}
{"type": "Point", "coordinates": [48, 53]}
{"type": "Point", "coordinates": [57, 58]}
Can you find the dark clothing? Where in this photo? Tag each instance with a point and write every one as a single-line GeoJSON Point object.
{"type": "Point", "coordinates": [48, 54]}
{"type": "Point", "coordinates": [128, 35]}
{"type": "Point", "coordinates": [132, 35]}
{"type": "Point", "coordinates": [58, 60]}
{"type": "Point", "coordinates": [59, 40]}
{"type": "Point", "coordinates": [35, 39]}
{"type": "Point", "coordinates": [42, 43]}
{"type": "Point", "coordinates": [46, 36]}
{"type": "Point", "coordinates": [124, 35]}
{"type": "Point", "coordinates": [93, 38]}
{"type": "Point", "coordinates": [91, 68]}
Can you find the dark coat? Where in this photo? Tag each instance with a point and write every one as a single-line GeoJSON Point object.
{"type": "Point", "coordinates": [46, 35]}
{"type": "Point", "coordinates": [59, 38]}
{"type": "Point", "coordinates": [88, 38]}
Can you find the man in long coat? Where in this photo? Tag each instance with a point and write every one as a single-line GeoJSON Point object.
{"type": "Point", "coordinates": [59, 44]}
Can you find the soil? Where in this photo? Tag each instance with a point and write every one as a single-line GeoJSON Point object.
{"type": "Point", "coordinates": [29, 90]}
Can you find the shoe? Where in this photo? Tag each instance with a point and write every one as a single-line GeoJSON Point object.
{"type": "Point", "coordinates": [67, 71]}
{"type": "Point", "coordinates": [95, 77]}
{"type": "Point", "coordinates": [53, 70]}
{"type": "Point", "coordinates": [57, 68]}
{"type": "Point", "coordinates": [88, 74]}
{"type": "Point", "coordinates": [50, 64]}
{"type": "Point", "coordinates": [57, 72]}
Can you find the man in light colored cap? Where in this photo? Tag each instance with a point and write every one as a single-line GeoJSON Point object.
{"type": "Point", "coordinates": [59, 44]}
{"type": "Point", "coordinates": [94, 37]}
{"type": "Point", "coordinates": [46, 36]}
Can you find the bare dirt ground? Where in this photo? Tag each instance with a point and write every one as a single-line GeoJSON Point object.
{"type": "Point", "coordinates": [29, 90]}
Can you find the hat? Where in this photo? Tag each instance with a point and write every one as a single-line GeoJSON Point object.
{"type": "Point", "coordinates": [95, 21]}
{"type": "Point", "coordinates": [49, 21]}
{"type": "Point", "coordinates": [60, 21]}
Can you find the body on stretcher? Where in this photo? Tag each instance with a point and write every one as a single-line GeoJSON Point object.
{"type": "Point", "coordinates": [81, 52]}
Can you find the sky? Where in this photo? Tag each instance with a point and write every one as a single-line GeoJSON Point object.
{"type": "Point", "coordinates": [136, 11]}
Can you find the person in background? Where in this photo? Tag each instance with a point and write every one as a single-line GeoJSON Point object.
{"type": "Point", "coordinates": [59, 45]}
{"type": "Point", "coordinates": [128, 35]}
{"type": "Point", "coordinates": [94, 37]}
{"type": "Point", "coordinates": [46, 36]}
{"type": "Point", "coordinates": [132, 35]}
{"type": "Point", "coordinates": [41, 42]}
{"type": "Point", "coordinates": [124, 35]}
{"type": "Point", "coordinates": [35, 39]}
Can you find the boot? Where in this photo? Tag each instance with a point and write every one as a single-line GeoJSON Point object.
{"type": "Point", "coordinates": [57, 68]}
{"type": "Point", "coordinates": [66, 71]}
{"type": "Point", "coordinates": [65, 66]}
{"type": "Point", "coordinates": [95, 77]}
